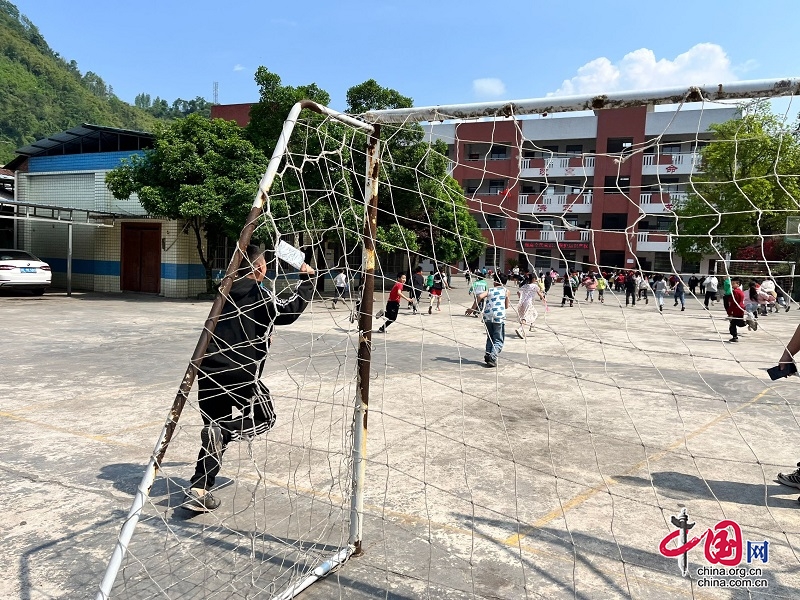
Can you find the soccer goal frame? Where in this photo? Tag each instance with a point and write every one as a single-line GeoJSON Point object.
{"type": "Point", "coordinates": [370, 123]}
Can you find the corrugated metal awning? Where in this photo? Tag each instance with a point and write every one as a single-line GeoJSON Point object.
{"type": "Point", "coordinates": [93, 134]}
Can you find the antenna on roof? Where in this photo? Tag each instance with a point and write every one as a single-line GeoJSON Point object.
{"type": "Point", "coordinates": [216, 92]}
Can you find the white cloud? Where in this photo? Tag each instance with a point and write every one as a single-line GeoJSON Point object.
{"type": "Point", "coordinates": [488, 88]}
{"type": "Point", "coordinates": [238, 68]}
{"type": "Point", "coordinates": [640, 70]}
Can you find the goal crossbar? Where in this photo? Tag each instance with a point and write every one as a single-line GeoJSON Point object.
{"type": "Point", "coordinates": [759, 88]}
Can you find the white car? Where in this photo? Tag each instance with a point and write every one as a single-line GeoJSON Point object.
{"type": "Point", "coordinates": [20, 270]}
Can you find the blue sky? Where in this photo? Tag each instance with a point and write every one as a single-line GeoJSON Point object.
{"type": "Point", "coordinates": [436, 52]}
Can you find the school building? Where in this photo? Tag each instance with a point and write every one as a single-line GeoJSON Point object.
{"type": "Point", "coordinates": [581, 190]}
{"type": "Point", "coordinates": [575, 190]}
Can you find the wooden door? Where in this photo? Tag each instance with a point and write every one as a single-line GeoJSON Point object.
{"type": "Point", "coordinates": [141, 258]}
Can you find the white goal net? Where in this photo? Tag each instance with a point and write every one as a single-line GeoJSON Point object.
{"type": "Point", "coordinates": [442, 459]}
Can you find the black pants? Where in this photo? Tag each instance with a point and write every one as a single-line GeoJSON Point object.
{"type": "Point", "coordinates": [734, 324]}
{"type": "Point", "coordinates": [630, 294]}
{"type": "Point", "coordinates": [340, 292]}
{"type": "Point", "coordinates": [416, 296]}
{"type": "Point", "coordinates": [392, 308]}
{"type": "Point", "coordinates": [568, 295]}
{"type": "Point", "coordinates": [218, 395]}
{"type": "Point", "coordinates": [709, 297]}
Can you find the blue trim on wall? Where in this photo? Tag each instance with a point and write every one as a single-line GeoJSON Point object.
{"type": "Point", "coordinates": [82, 266]}
{"type": "Point", "coordinates": [182, 271]}
{"type": "Point", "coordinates": [98, 161]}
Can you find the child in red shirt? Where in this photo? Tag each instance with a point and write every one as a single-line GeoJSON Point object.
{"type": "Point", "coordinates": [736, 309]}
{"type": "Point", "coordinates": [393, 303]}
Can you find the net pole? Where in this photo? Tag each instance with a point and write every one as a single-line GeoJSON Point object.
{"type": "Point", "coordinates": [365, 344]}
{"type": "Point", "coordinates": [262, 197]}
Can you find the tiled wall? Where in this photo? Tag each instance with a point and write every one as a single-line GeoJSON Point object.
{"type": "Point", "coordinates": [182, 273]}
{"type": "Point", "coordinates": [96, 250]}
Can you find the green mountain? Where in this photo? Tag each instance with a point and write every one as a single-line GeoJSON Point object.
{"type": "Point", "coordinates": [41, 93]}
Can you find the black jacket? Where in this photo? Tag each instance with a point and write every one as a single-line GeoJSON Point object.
{"type": "Point", "coordinates": [240, 340]}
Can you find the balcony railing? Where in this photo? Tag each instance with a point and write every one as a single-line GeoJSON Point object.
{"type": "Point", "coordinates": [653, 240]}
{"type": "Point", "coordinates": [684, 163]}
{"type": "Point", "coordinates": [661, 201]}
{"type": "Point", "coordinates": [554, 235]}
{"type": "Point", "coordinates": [585, 198]}
{"type": "Point", "coordinates": [672, 159]}
{"type": "Point", "coordinates": [551, 236]}
{"type": "Point", "coordinates": [558, 162]}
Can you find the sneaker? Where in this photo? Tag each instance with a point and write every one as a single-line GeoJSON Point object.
{"type": "Point", "coordinates": [211, 437]}
{"type": "Point", "coordinates": [380, 313]}
{"type": "Point", "coordinates": [198, 500]}
{"type": "Point", "coordinates": [490, 361]}
{"type": "Point", "coordinates": [380, 330]}
{"type": "Point", "coordinates": [661, 308]}
{"type": "Point", "coordinates": [734, 339]}
{"type": "Point", "coordinates": [430, 310]}
{"type": "Point", "coordinates": [792, 479]}
{"type": "Point", "coordinates": [683, 308]}
{"type": "Point", "coordinates": [787, 308]}
{"type": "Point", "coordinates": [520, 333]}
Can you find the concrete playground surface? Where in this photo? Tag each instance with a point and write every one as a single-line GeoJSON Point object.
{"type": "Point", "coordinates": [554, 475]}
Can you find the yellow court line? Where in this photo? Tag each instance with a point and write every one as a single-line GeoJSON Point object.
{"type": "Point", "coordinates": [608, 481]}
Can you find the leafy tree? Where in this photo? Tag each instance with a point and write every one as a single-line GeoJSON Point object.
{"type": "Point", "coordinates": [423, 205]}
{"type": "Point", "coordinates": [419, 211]}
{"type": "Point", "coordinates": [275, 101]}
{"type": "Point", "coordinates": [199, 170]}
{"type": "Point", "coordinates": [747, 188]}
{"type": "Point", "coordinates": [371, 96]}
{"type": "Point", "coordinates": [142, 101]}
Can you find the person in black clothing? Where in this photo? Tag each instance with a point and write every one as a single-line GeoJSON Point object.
{"type": "Point", "coordinates": [230, 374]}
{"type": "Point", "coordinates": [630, 288]}
{"type": "Point", "coordinates": [417, 287]}
{"type": "Point", "coordinates": [693, 283]}
{"type": "Point", "coordinates": [548, 281]}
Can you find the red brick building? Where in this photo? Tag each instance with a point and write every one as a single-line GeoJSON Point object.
{"type": "Point", "coordinates": [580, 190]}
{"type": "Point", "coordinates": [574, 190]}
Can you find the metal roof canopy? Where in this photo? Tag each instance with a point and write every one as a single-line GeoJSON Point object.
{"type": "Point", "coordinates": [60, 214]}
{"type": "Point", "coordinates": [96, 138]}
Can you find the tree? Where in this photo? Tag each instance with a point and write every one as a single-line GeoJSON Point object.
{"type": "Point", "coordinates": [421, 210]}
{"type": "Point", "coordinates": [202, 171]}
{"type": "Point", "coordinates": [747, 187]}
{"type": "Point", "coordinates": [142, 101]}
{"type": "Point", "coordinates": [274, 103]}
{"type": "Point", "coordinates": [371, 96]}
{"type": "Point", "coordinates": [426, 205]}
